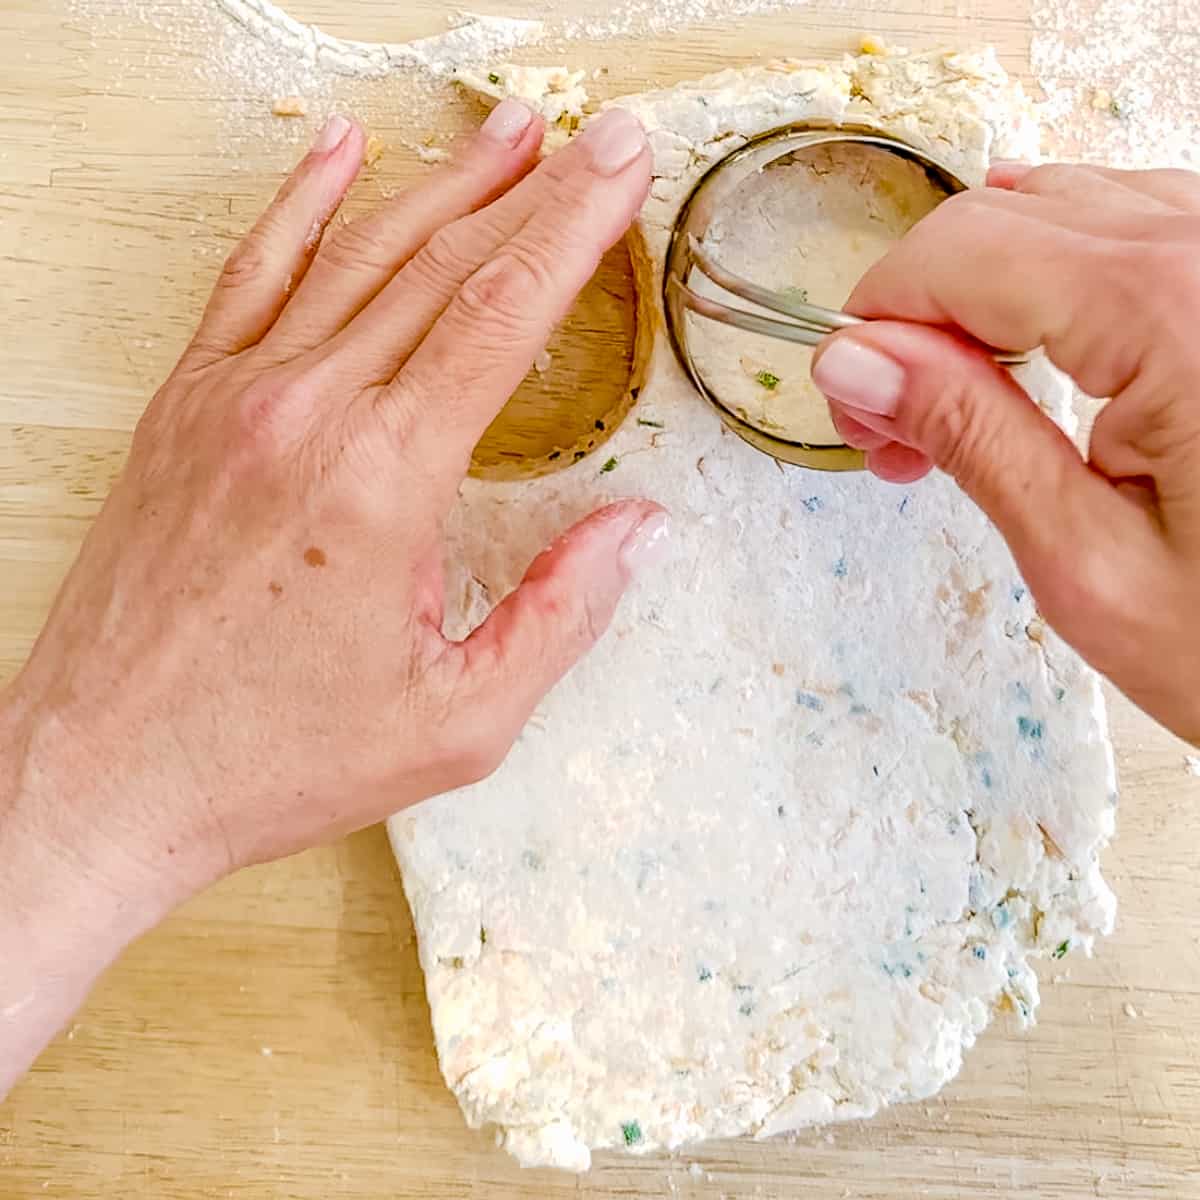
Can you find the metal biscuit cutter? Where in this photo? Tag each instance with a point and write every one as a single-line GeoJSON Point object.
{"type": "Point", "coordinates": [795, 320]}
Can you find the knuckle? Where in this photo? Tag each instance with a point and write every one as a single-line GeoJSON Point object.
{"type": "Point", "coordinates": [954, 431]}
{"type": "Point", "coordinates": [401, 405]}
{"type": "Point", "coordinates": [574, 616]}
{"type": "Point", "coordinates": [959, 203]}
{"type": "Point", "coordinates": [501, 293]}
{"type": "Point", "coordinates": [945, 223]}
{"type": "Point", "coordinates": [1051, 179]}
{"type": "Point", "coordinates": [359, 246]}
{"type": "Point", "coordinates": [579, 221]}
{"type": "Point", "coordinates": [263, 411]}
{"type": "Point", "coordinates": [962, 206]}
{"type": "Point", "coordinates": [246, 264]}
{"type": "Point", "coordinates": [447, 256]}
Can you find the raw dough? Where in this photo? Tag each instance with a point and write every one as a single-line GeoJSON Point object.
{"type": "Point", "coordinates": [778, 849]}
{"type": "Point", "coordinates": [556, 92]}
{"type": "Point", "coordinates": [814, 222]}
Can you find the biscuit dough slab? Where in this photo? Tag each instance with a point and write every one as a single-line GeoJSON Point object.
{"type": "Point", "coordinates": [777, 851]}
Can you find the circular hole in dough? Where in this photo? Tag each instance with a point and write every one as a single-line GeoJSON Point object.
{"type": "Point", "coordinates": [814, 221]}
{"type": "Point", "coordinates": [579, 392]}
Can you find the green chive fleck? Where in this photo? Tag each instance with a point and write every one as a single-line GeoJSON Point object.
{"type": "Point", "coordinates": [767, 380]}
{"type": "Point", "coordinates": [494, 78]}
{"type": "Point", "coordinates": [1118, 109]}
{"type": "Point", "coordinates": [1060, 951]}
{"type": "Point", "coordinates": [652, 424]}
{"type": "Point", "coordinates": [611, 465]}
{"type": "Point", "coordinates": [632, 1132]}
{"type": "Point", "coordinates": [482, 936]}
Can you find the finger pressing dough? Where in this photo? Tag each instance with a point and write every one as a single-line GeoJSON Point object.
{"type": "Point", "coordinates": [777, 851]}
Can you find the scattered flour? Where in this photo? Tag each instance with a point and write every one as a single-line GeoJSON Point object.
{"type": "Point", "coordinates": [1191, 764]}
{"type": "Point", "coordinates": [1138, 55]}
{"type": "Point", "coordinates": [1142, 54]}
{"type": "Point", "coordinates": [471, 39]}
{"type": "Point", "coordinates": [643, 18]}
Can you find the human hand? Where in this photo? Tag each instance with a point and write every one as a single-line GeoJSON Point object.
{"type": "Point", "coordinates": [247, 657]}
{"type": "Point", "coordinates": [1102, 268]}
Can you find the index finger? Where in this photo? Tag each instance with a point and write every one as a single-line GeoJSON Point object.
{"type": "Point", "coordinates": [480, 349]}
{"type": "Point", "coordinates": [356, 262]}
{"type": "Point", "coordinates": [1170, 188]}
{"type": "Point", "coordinates": [998, 272]}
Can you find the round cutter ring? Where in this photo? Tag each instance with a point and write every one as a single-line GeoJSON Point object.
{"type": "Point", "coordinates": [798, 321]}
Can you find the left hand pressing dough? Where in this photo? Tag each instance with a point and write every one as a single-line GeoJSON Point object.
{"type": "Point", "coordinates": [777, 851]}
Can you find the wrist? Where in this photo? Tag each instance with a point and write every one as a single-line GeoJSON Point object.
{"type": "Point", "coordinates": [78, 880]}
{"type": "Point", "coordinates": [101, 787]}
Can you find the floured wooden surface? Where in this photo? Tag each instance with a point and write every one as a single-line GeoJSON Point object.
{"type": "Point", "coordinates": [774, 854]}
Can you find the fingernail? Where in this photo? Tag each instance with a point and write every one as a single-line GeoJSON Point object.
{"type": "Point", "coordinates": [508, 122]}
{"type": "Point", "coordinates": [646, 546]}
{"type": "Point", "coordinates": [332, 135]}
{"type": "Point", "coordinates": [858, 376]}
{"type": "Point", "coordinates": [614, 139]}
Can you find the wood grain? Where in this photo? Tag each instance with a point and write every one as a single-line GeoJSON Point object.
{"type": "Point", "coordinates": [272, 1038]}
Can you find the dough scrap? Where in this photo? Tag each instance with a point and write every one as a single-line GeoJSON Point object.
{"type": "Point", "coordinates": [555, 92]}
{"type": "Point", "coordinates": [775, 853]}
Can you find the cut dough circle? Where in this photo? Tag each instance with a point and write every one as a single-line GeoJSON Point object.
{"type": "Point", "coordinates": [779, 848]}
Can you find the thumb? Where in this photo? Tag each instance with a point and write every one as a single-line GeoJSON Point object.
{"type": "Point", "coordinates": [561, 608]}
{"type": "Point", "coordinates": [906, 385]}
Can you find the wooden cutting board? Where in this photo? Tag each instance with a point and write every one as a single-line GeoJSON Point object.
{"type": "Point", "coordinates": [272, 1039]}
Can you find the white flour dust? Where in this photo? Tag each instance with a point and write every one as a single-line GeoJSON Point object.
{"type": "Point", "coordinates": [474, 39]}
{"type": "Point", "coordinates": [236, 72]}
{"type": "Point", "coordinates": [1119, 75]}
{"type": "Point", "coordinates": [470, 39]}
{"type": "Point", "coordinates": [1121, 80]}
{"type": "Point", "coordinates": [642, 18]}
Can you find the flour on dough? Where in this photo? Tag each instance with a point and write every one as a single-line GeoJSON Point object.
{"type": "Point", "coordinates": [777, 851]}
{"type": "Point", "coordinates": [557, 93]}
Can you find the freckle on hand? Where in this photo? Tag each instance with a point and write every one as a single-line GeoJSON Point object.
{"type": "Point", "coordinates": [315, 556]}
{"type": "Point", "coordinates": [276, 588]}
